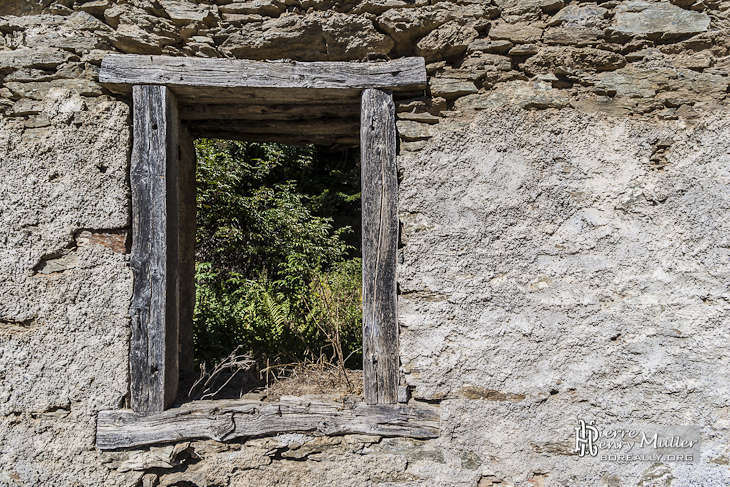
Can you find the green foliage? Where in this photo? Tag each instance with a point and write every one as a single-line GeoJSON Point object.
{"type": "Point", "coordinates": [270, 267]}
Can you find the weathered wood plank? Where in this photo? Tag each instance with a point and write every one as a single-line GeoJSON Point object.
{"type": "Point", "coordinates": [342, 132]}
{"type": "Point", "coordinates": [187, 213]}
{"type": "Point", "coordinates": [304, 128]}
{"type": "Point", "coordinates": [269, 112]}
{"type": "Point", "coordinates": [290, 139]}
{"type": "Point", "coordinates": [120, 71]}
{"type": "Point", "coordinates": [379, 246]}
{"type": "Point", "coordinates": [261, 96]}
{"type": "Point", "coordinates": [226, 420]}
{"type": "Point", "coordinates": [154, 260]}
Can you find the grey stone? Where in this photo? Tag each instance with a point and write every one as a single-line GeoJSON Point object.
{"type": "Point", "coordinates": [416, 145]}
{"type": "Point", "coordinates": [349, 37]}
{"type": "Point", "coordinates": [270, 8]}
{"type": "Point", "coordinates": [377, 7]}
{"type": "Point", "coordinates": [489, 46]}
{"type": "Point", "coordinates": [573, 61]}
{"type": "Point", "coordinates": [34, 90]}
{"type": "Point", "coordinates": [612, 106]}
{"type": "Point", "coordinates": [634, 82]}
{"type": "Point", "coordinates": [447, 42]}
{"type": "Point", "coordinates": [404, 26]}
{"type": "Point", "coordinates": [81, 21]}
{"type": "Point", "coordinates": [423, 117]}
{"type": "Point", "coordinates": [58, 264]}
{"type": "Point", "coordinates": [95, 7]}
{"type": "Point", "coordinates": [243, 19]}
{"type": "Point", "coordinates": [523, 50]}
{"type": "Point", "coordinates": [288, 36]}
{"type": "Point", "coordinates": [573, 35]}
{"type": "Point", "coordinates": [333, 37]}
{"type": "Point", "coordinates": [521, 33]}
{"type": "Point", "coordinates": [521, 93]}
{"type": "Point", "coordinates": [411, 130]}
{"type": "Point", "coordinates": [26, 107]}
{"type": "Point", "coordinates": [480, 60]}
{"type": "Point", "coordinates": [25, 74]}
{"type": "Point", "coordinates": [83, 87]}
{"type": "Point", "coordinates": [23, 7]}
{"type": "Point", "coordinates": [584, 14]}
{"type": "Point", "coordinates": [450, 88]}
{"type": "Point", "coordinates": [183, 13]}
{"type": "Point", "coordinates": [521, 6]}
{"type": "Point", "coordinates": [33, 58]}
{"type": "Point", "coordinates": [658, 20]}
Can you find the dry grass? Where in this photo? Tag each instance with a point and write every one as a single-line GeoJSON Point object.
{"type": "Point", "coordinates": [316, 378]}
{"type": "Point", "coordinates": [240, 376]}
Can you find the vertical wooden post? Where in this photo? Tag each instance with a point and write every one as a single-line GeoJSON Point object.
{"type": "Point", "coordinates": [186, 268]}
{"type": "Point", "coordinates": [379, 246]}
{"type": "Point", "coordinates": [154, 182]}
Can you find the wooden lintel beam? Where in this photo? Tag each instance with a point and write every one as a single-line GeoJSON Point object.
{"type": "Point", "coordinates": [226, 420]}
{"type": "Point", "coordinates": [119, 72]}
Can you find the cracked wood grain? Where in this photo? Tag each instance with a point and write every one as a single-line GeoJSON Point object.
{"type": "Point", "coordinates": [379, 246]}
{"type": "Point", "coordinates": [153, 361]}
{"type": "Point", "coordinates": [230, 419]}
{"type": "Point", "coordinates": [225, 80]}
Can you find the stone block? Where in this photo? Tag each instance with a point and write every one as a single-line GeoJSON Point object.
{"type": "Point", "coordinates": [490, 46]}
{"type": "Point", "coordinates": [571, 61]}
{"type": "Point", "coordinates": [583, 14]}
{"type": "Point", "coordinates": [33, 58]}
{"type": "Point", "coordinates": [634, 82]}
{"type": "Point", "coordinates": [572, 35]}
{"type": "Point", "coordinates": [26, 107]}
{"type": "Point", "coordinates": [523, 50]}
{"type": "Point", "coordinates": [521, 93]}
{"type": "Point", "coordinates": [520, 33]}
{"type": "Point", "coordinates": [447, 42]}
{"type": "Point", "coordinates": [410, 130]}
{"type": "Point", "coordinates": [377, 7]}
{"type": "Point", "coordinates": [183, 13]}
{"type": "Point", "coordinates": [404, 26]}
{"type": "Point", "coordinates": [352, 37]}
{"type": "Point", "coordinates": [34, 90]}
{"type": "Point", "coordinates": [516, 7]}
{"type": "Point", "coordinates": [269, 8]}
{"type": "Point", "coordinates": [658, 20]}
{"type": "Point", "coordinates": [287, 37]}
{"type": "Point", "coordinates": [450, 88]}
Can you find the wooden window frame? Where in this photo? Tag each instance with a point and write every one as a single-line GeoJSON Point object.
{"type": "Point", "coordinates": [159, 85]}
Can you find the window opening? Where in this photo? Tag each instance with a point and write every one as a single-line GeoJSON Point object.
{"type": "Point", "coordinates": [278, 272]}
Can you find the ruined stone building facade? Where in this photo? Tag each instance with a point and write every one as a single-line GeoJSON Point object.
{"type": "Point", "coordinates": [563, 198]}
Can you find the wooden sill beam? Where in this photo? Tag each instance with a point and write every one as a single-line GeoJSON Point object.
{"type": "Point", "coordinates": [226, 420]}
{"type": "Point", "coordinates": [215, 80]}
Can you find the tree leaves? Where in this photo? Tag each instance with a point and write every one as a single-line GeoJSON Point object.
{"type": "Point", "coordinates": [264, 235]}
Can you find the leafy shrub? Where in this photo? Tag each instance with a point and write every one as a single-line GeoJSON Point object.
{"type": "Point", "coordinates": [272, 274]}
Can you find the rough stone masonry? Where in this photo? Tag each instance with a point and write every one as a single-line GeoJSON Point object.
{"type": "Point", "coordinates": [565, 252]}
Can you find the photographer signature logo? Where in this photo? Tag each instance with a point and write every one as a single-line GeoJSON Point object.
{"type": "Point", "coordinates": [642, 443]}
{"type": "Point", "coordinates": [586, 436]}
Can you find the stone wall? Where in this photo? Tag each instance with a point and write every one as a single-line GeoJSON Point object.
{"type": "Point", "coordinates": [564, 252]}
